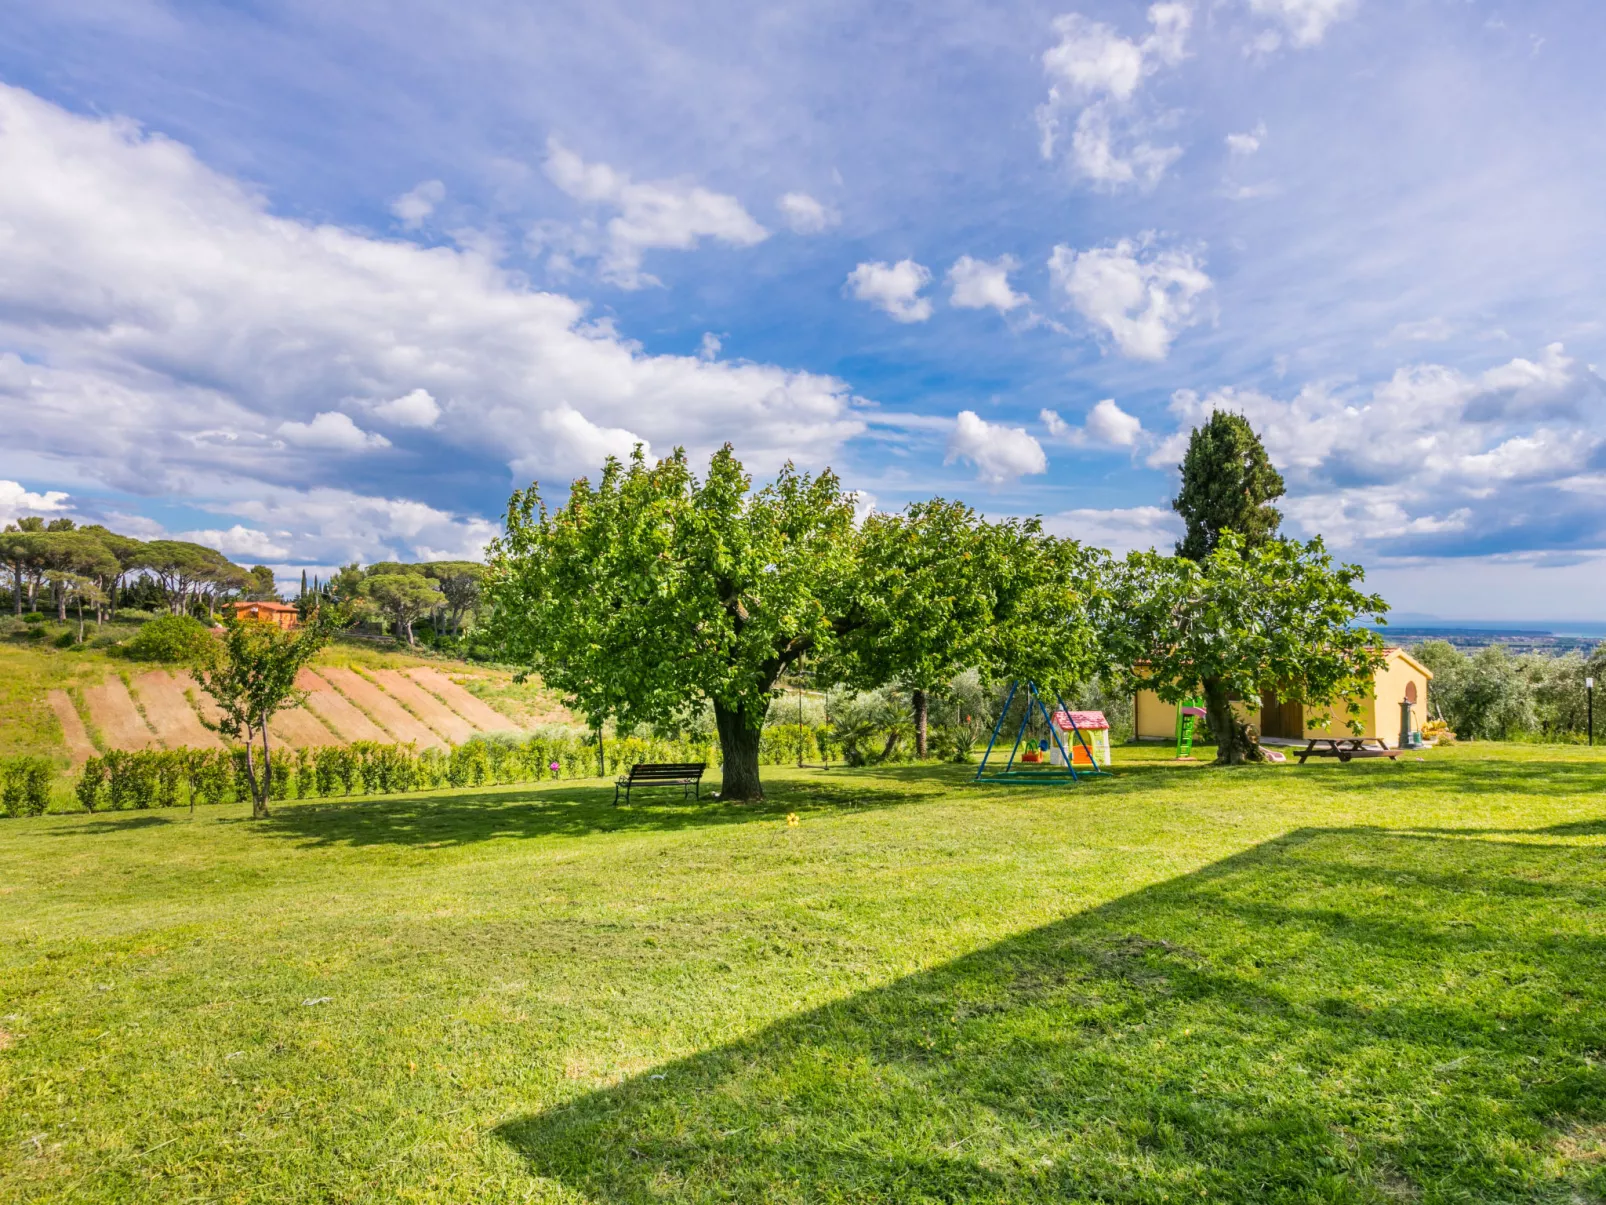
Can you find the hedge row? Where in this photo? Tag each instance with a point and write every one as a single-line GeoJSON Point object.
{"type": "Point", "coordinates": [180, 777]}
{"type": "Point", "coordinates": [24, 785]}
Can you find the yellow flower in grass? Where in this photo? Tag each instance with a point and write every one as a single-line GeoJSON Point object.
{"type": "Point", "coordinates": [791, 820]}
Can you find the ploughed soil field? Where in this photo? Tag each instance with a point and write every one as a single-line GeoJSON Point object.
{"type": "Point", "coordinates": [70, 704]}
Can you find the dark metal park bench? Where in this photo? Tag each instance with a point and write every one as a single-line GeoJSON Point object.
{"type": "Point", "coordinates": [686, 775]}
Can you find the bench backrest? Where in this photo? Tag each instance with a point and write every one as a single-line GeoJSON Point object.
{"type": "Point", "coordinates": [650, 770]}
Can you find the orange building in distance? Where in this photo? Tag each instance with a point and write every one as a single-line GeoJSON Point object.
{"type": "Point", "coordinates": [279, 614]}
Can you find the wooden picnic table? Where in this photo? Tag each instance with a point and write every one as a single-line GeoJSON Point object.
{"type": "Point", "coordinates": [1346, 747]}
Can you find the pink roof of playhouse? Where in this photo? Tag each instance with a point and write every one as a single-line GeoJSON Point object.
{"type": "Point", "coordinates": [1084, 720]}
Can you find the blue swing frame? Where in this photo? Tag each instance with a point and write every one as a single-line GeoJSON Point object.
{"type": "Point", "coordinates": [1009, 774]}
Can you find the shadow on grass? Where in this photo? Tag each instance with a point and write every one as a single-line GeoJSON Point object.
{"type": "Point", "coordinates": [515, 811]}
{"type": "Point", "coordinates": [97, 825]}
{"type": "Point", "coordinates": [1339, 1015]}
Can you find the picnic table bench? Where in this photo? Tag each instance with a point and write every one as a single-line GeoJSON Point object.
{"type": "Point", "coordinates": [686, 775]}
{"type": "Point", "coordinates": [1346, 747]}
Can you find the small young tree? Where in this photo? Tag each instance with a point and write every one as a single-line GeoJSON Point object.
{"type": "Point", "coordinates": [1228, 484]}
{"type": "Point", "coordinates": [652, 592]}
{"type": "Point", "coordinates": [253, 677]}
{"type": "Point", "coordinates": [1278, 617]}
{"type": "Point", "coordinates": [402, 598]}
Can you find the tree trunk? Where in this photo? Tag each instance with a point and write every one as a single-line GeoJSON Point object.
{"type": "Point", "coordinates": [920, 706]}
{"type": "Point", "coordinates": [739, 731]}
{"type": "Point", "coordinates": [410, 641]}
{"type": "Point", "coordinates": [61, 603]}
{"type": "Point", "coordinates": [1231, 748]}
{"type": "Point", "coordinates": [259, 806]}
{"type": "Point", "coordinates": [602, 755]}
{"type": "Point", "coordinates": [16, 579]}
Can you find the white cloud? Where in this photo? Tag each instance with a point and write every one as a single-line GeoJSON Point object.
{"type": "Point", "coordinates": [412, 208]}
{"type": "Point", "coordinates": [1428, 451]}
{"type": "Point", "coordinates": [1305, 22]}
{"type": "Point", "coordinates": [894, 288]}
{"type": "Point", "coordinates": [1097, 73]}
{"type": "Point", "coordinates": [978, 283]}
{"type": "Point", "coordinates": [667, 214]}
{"type": "Point", "coordinates": [1247, 143]}
{"type": "Point", "coordinates": [575, 444]}
{"type": "Point", "coordinates": [1122, 530]}
{"type": "Point", "coordinates": [333, 431]}
{"type": "Point", "coordinates": [165, 324]}
{"type": "Point", "coordinates": [708, 349]}
{"type": "Point", "coordinates": [329, 526]}
{"type": "Point", "coordinates": [805, 215]}
{"type": "Point", "coordinates": [415, 409]}
{"type": "Point", "coordinates": [1106, 424]}
{"type": "Point", "coordinates": [15, 502]}
{"type": "Point", "coordinates": [1142, 297]}
{"type": "Point", "coordinates": [999, 453]}
{"type": "Point", "coordinates": [239, 542]}
{"type": "Point", "coordinates": [1429, 330]}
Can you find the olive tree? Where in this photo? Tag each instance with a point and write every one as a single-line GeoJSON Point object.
{"type": "Point", "coordinates": [1278, 617]}
{"type": "Point", "coordinates": [651, 592]}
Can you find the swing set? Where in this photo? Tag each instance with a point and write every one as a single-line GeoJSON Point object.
{"type": "Point", "coordinates": [1029, 767]}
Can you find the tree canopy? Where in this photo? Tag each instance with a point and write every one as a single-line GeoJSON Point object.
{"type": "Point", "coordinates": [1275, 618]}
{"type": "Point", "coordinates": [1228, 484]}
{"type": "Point", "coordinates": [653, 591]}
{"type": "Point", "coordinates": [252, 677]}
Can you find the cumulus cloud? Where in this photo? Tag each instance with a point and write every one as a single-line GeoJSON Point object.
{"type": "Point", "coordinates": [708, 349]}
{"type": "Point", "coordinates": [1120, 531]}
{"type": "Point", "coordinates": [1247, 143]}
{"type": "Point", "coordinates": [1428, 453]}
{"type": "Point", "coordinates": [1097, 74]}
{"type": "Point", "coordinates": [413, 208]}
{"type": "Point", "coordinates": [414, 409]}
{"type": "Point", "coordinates": [894, 288]}
{"type": "Point", "coordinates": [999, 453]}
{"type": "Point", "coordinates": [1303, 22]}
{"type": "Point", "coordinates": [165, 324]}
{"type": "Point", "coordinates": [239, 542]}
{"type": "Point", "coordinates": [1141, 296]}
{"type": "Point", "coordinates": [15, 502]}
{"type": "Point", "coordinates": [331, 526]}
{"type": "Point", "coordinates": [979, 283]}
{"type": "Point", "coordinates": [668, 214]}
{"type": "Point", "coordinates": [575, 443]}
{"type": "Point", "coordinates": [805, 215]}
{"type": "Point", "coordinates": [331, 431]}
{"type": "Point", "coordinates": [1106, 425]}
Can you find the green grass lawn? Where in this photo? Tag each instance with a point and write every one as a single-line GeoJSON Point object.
{"type": "Point", "coordinates": [1374, 982]}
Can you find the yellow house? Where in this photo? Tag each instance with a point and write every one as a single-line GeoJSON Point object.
{"type": "Point", "coordinates": [1402, 680]}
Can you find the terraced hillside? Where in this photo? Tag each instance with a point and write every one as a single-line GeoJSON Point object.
{"type": "Point", "coordinates": [73, 703]}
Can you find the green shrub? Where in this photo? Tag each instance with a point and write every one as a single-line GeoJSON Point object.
{"type": "Point", "coordinates": [91, 784]}
{"type": "Point", "coordinates": [35, 617]}
{"type": "Point", "coordinates": [24, 785]}
{"type": "Point", "coordinates": [176, 638]}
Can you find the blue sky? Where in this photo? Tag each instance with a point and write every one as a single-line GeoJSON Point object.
{"type": "Point", "coordinates": [322, 282]}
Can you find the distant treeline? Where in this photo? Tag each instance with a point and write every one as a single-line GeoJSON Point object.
{"type": "Point", "coordinates": [1493, 694]}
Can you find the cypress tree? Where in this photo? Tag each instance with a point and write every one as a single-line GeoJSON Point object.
{"type": "Point", "coordinates": [1228, 484]}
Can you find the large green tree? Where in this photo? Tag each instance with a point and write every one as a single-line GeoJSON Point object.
{"type": "Point", "coordinates": [74, 554]}
{"type": "Point", "coordinates": [1279, 617]}
{"type": "Point", "coordinates": [652, 591]}
{"type": "Point", "coordinates": [253, 677]}
{"type": "Point", "coordinates": [1228, 484]}
{"type": "Point", "coordinates": [923, 602]}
